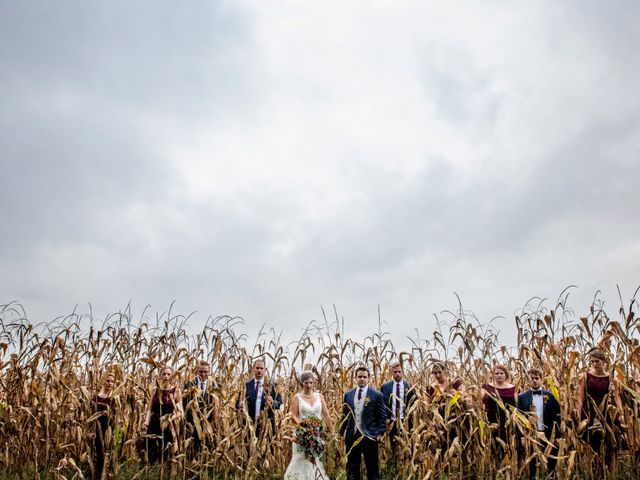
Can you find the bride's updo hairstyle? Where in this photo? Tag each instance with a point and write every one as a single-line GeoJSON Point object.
{"type": "Point", "coordinates": [304, 376]}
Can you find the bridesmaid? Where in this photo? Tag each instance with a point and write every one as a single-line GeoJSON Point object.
{"type": "Point", "coordinates": [456, 421]}
{"type": "Point", "coordinates": [595, 391]}
{"type": "Point", "coordinates": [497, 397]}
{"type": "Point", "coordinates": [441, 384]}
{"type": "Point", "coordinates": [165, 408]}
{"type": "Point", "coordinates": [103, 401]}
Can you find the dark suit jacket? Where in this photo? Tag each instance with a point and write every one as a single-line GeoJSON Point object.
{"type": "Point", "coordinates": [550, 410]}
{"type": "Point", "coordinates": [374, 414]}
{"type": "Point", "coordinates": [203, 400]}
{"type": "Point", "coordinates": [388, 394]}
{"type": "Point", "coordinates": [250, 397]}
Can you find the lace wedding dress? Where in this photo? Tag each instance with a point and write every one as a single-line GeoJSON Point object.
{"type": "Point", "coordinates": [300, 468]}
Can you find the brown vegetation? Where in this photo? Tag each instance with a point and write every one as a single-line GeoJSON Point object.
{"type": "Point", "coordinates": [48, 374]}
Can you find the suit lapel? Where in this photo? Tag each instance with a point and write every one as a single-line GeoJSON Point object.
{"type": "Point", "coordinates": [367, 396]}
{"type": "Point", "coordinates": [352, 399]}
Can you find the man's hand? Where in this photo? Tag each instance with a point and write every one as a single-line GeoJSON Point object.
{"type": "Point", "coordinates": [269, 401]}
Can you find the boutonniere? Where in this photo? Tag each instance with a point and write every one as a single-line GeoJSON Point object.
{"type": "Point", "coordinates": [545, 398]}
{"type": "Point", "coordinates": [366, 401]}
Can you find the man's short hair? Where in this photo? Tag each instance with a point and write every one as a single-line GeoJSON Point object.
{"type": "Point", "coordinates": [362, 368]}
{"type": "Point", "coordinates": [535, 372]}
{"type": "Point", "coordinates": [259, 360]}
{"type": "Point", "coordinates": [395, 365]}
{"type": "Point", "coordinates": [203, 363]}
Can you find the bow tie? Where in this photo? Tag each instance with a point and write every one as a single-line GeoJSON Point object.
{"type": "Point", "coordinates": [536, 392]}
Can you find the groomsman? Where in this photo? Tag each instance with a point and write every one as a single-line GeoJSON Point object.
{"type": "Point", "coordinates": [398, 396]}
{"type": "Point", "coordinates": [364, 416]}
{"type": "Point", "coordinates": [197, 401]}
{"type": "Point", "coordinates": [260, 398]}
{"type": "Point", "coordinates": [546, 416]}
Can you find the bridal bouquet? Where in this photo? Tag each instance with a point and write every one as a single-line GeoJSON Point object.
{"type": "Point", "coordinates": [311, 435]}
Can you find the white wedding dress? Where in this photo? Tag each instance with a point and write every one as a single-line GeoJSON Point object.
{"type": "Point", "coordinates": [300, 468]}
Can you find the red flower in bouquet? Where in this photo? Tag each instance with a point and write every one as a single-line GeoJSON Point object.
{"type": "Point", "coordinates": [311, 436]}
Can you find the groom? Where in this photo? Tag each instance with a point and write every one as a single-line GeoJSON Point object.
{"type": "Point", "coordinates": [364, 416]}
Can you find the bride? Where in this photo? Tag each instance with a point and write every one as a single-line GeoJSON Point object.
{"type": "Point", "coordinates": [307, 403]}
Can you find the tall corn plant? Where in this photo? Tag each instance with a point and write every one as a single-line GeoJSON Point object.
{"type": "Point", "coordinates": [50, 371]}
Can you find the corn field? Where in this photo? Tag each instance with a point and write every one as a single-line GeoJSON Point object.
{"type": "Point", "coordinates": [49, 372]}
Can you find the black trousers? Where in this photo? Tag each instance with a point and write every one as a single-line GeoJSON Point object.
{"type": "Point", "coordinates": [358, 447]}
{"type": "Point", "coordinates": [533, 465]}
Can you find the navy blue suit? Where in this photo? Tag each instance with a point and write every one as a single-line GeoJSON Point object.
{"type": "Point", "coordinates": [387, 393]}
{"type": "Point", "coordinates": [250, 397]}
{"type": "Point", "coordinates": [374, 419]}
{"type": "Point", "coordinates": [551, 410]}
{"type": "Point", "coordinates": [197, 402]}
{"type": "Point", "coordinates": [550, 418]}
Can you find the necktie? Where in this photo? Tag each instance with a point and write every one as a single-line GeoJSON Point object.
{"type": "Point", "coordinates": [359, 393]}
{"type": "Point", "coordinates": [202, 386]}
{"type": "Point", "coordinates": [257, 388]}
{"type": "Point", "coordinates": [397, 400]}
{"type": "Point", "coordinates": [536, 392]}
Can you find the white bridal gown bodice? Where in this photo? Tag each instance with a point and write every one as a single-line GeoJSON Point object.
{"type": "Point", "coordinates": [300, 468]}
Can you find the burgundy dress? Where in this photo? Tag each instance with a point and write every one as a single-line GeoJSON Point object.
{"type": "Point", "coordinates": [594, 409]}
{"type": "Point", "coordinates": [102, 404]}
{"type": "Point", "coordinates": [495, 414]}
{"type": "Point", "coordinates": [157, 446]}
{"type": "Point", "coordinates": [457, 423]}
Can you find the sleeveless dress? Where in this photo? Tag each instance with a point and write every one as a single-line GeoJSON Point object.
{"type": "Point", "coordinates": [163, 403]}
{"type": "Point", "coordinates": [458, 423]}
{"type": "Point", "coordinates": [594, 409]}
{"type": "Point", "coordinates": [300, 468]}
{"type": "Point", "coordinates": [102, 404]}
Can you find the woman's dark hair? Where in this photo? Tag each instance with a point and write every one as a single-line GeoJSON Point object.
{"type": "Point", "coordinates": [304, 376]}
{"type": "Point", "coordinates": [600, 355]}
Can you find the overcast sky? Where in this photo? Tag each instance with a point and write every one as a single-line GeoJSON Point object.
{"type": "Point", "coordinates": [264, 159]}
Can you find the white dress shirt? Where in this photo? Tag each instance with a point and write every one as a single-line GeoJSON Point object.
{"type": "Point", "coordinates": [538, 404]}
{"type": "Point", "coordinates": [258, 396]}
{"type": "Point", "coordinates": [401, 399]}
{"type": "Point", "coordinates": [202, 384]}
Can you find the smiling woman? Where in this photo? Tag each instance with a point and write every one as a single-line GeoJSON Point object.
{"type": "Point", "coordinates": [308, 406]}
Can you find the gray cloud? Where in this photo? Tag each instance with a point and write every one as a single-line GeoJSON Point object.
{"type": "Point", "coordinates": [262, 164]}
